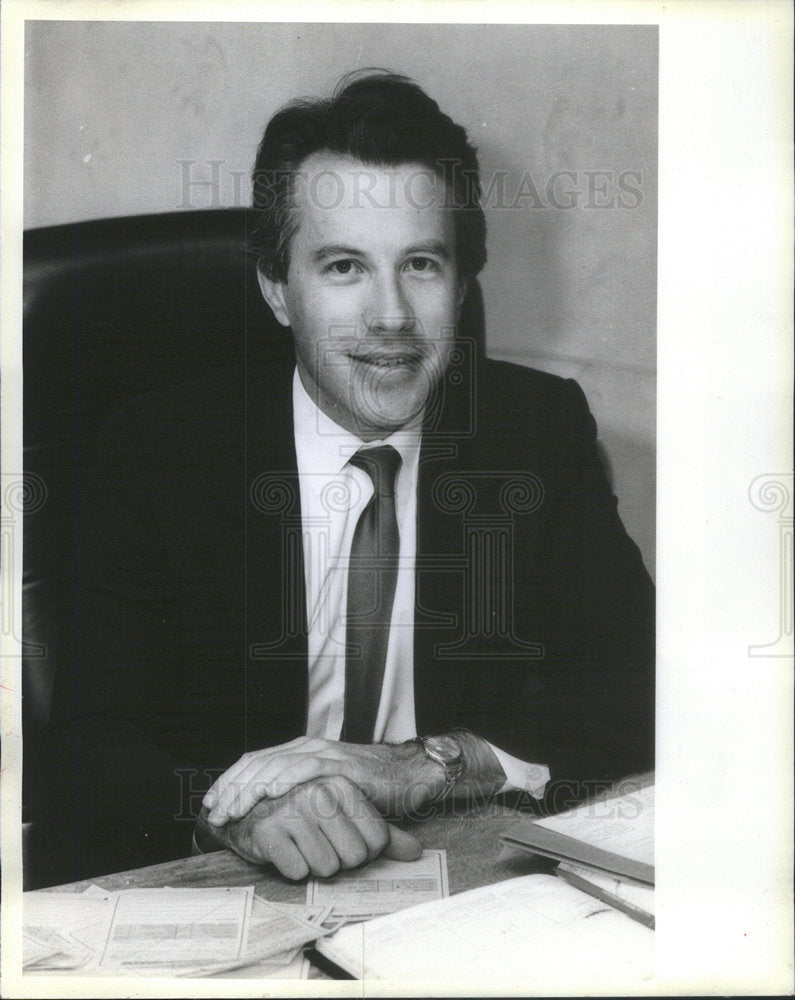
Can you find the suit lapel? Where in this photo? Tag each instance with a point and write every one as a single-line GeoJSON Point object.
{"type": "Point", "coordinates": [439, 572]}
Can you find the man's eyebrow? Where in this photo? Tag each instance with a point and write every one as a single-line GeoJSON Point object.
{"type": "Point", "coordinates": [335, 250]}
{"type": "Point", "coordinates": [436, 247]}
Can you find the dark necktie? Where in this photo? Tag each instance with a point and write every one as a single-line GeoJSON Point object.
{"type": "Point", "coordinates": [372, 575]}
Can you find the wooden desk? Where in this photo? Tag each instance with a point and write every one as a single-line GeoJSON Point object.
{"type": "Point", "coordinates": [472, 841]}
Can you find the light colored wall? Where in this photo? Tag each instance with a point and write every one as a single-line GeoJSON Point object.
{"type": "Point", "coordinates": [113, 111]}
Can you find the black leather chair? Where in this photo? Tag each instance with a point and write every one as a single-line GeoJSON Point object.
{"type": "Point", "coordinates": [113, 308]}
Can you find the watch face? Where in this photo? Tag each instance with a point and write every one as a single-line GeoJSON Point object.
{"type": "Point", "coordinates": [444, 748]}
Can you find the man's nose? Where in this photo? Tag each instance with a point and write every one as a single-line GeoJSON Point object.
{"type": "Point", "coordinates": [389, 308]}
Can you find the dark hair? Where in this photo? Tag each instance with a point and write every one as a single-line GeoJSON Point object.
{"type": "Point", "coordinates": [382, 119]}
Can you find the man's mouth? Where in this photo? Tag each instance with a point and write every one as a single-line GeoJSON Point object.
{"type": "Point", "coordinates": [401, 359]}
{"type": "Point", "coordinates": [391, 359]}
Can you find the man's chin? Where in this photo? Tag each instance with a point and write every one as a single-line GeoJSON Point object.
{"type": "Point", "coordinates": [379, 415]}
{"type": "Point", "coordinates": [369, 427]}
{"type": "Point", "coordinates": [372, 432]}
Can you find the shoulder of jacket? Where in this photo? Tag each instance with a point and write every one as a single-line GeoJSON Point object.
{"type": "Point", "coordinates": [507, 383]}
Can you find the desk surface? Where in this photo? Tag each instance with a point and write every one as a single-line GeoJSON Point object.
{"type": "Point", "coordinates": [475, 857]}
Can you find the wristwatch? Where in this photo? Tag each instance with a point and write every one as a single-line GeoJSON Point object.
{"type": "Point", "coordinates": [445, 750]}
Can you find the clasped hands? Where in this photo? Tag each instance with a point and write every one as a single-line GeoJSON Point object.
{"type": "Point", "coordinates": [315, 806]}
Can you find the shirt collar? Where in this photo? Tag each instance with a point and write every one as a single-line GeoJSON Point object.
{"type": "Point", "coordinates": [322, 446]}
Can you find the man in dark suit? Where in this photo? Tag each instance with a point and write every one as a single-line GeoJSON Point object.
{"type": "Point", "coordinates": [314, 560]}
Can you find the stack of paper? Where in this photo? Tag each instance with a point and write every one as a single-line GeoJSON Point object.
{"type": "Point", "coordinates": [166, 932]}
{"type": "Point", "coordinates": [210, 932]}
{"type": "Point", "coordinates": [63, 931]}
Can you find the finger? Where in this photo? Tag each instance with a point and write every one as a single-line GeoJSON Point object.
{"type": "Point", "coordinates": [278, 777]}
{"type": "Point", "coordinates": [402, 846]}
{"type": "Point", "coordinates": [274, 778]}
{"type": "Point", "coordinates": [371, 827]}
{"type": "Point", "coordinates": [349, 845]}
{"type": "Point", "coordinates": [217, 787]}
{"type": "Point", "coordinates": [341, 830]}
{"type": "Point", "coordinates": [284, 772]}
{"type": "Point", "coordinates": [231, 777]}
{"type": "Point", "coordinates": [321, 828]}
{"type": "Point", "coordinates": [263, 838]}
{"type": "Point", "coordinates": [240, 788]}
{"type": "Point", "coordinates": [288, 857]}
{"type": "Point", "coordinates": [256, 782]}
{"type": "Point", "coordinates": [316, 849]}
{"type": "Point", "coordinates": [257, 758]}
{"type": "Point", "coordinates": [239, 795]}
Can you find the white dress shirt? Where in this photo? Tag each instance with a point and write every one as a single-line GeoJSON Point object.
{"type": "Point", "coordinates": [333, 495]}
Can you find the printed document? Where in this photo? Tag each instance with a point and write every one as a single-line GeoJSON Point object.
{"type": "Point", "coordinates": [383, 886]}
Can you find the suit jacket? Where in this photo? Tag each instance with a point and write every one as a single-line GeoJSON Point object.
{"type": "Point", "coordinates": [533, 618]}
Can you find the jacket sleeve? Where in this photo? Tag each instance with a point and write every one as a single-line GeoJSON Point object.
{"type": "Point", "coordinates": [602, 650]}
{"type": "Point", "coordinates": [585, 706]}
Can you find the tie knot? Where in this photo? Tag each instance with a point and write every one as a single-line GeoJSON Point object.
{"type": "Point", "coordinates": [381, 465]}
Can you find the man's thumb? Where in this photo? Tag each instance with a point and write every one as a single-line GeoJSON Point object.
{"type": "Point", "coordinates": [402, 846]}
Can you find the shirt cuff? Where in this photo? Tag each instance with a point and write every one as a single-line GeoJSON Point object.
{"type": "Point", "coordinates": [521, 776]}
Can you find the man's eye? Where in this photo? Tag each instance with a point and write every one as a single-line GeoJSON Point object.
{"type": "Point", "coordinates": [343, 267]}
{"type": "Point", "coordinates": [422, 265]}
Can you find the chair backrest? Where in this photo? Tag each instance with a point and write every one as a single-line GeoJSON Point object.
{"type": "Point", "coordinates": [113, 308]}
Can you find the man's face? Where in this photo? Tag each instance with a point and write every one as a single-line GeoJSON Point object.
{"type": "Point", "coordinates": [372, 291]}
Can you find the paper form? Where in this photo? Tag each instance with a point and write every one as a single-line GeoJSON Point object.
{"type": "Point", "coordinates": [314, 915]}
{"type": "Point", "coordinates": [167, 926]}
{"type": "Point", "coordinates": [46, 949]}
{"type": "Point", "coordinates": [65, 925]}
{"type": "Point", "coordinates": [182, 932]}
{"type": "Point", "coordinates": [293, 965]}
{"type": "Point", "coordinates": [382, 886]}
{"type": "Point", "coordinates": [275, 935]}
{"type": "Point", "coordinates": [274, 949]}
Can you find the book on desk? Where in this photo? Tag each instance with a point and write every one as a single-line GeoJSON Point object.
{"type": "Point", "coordinates": [592, 919]}
{"type": "Point", "coordinates": [605, 848]}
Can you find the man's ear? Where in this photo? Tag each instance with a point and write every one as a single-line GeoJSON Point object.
{"type": "Point", "coordinates": [273, 293]}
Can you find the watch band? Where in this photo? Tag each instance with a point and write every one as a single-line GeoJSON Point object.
{"type": "Point", "coordinates": [444, 750]}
